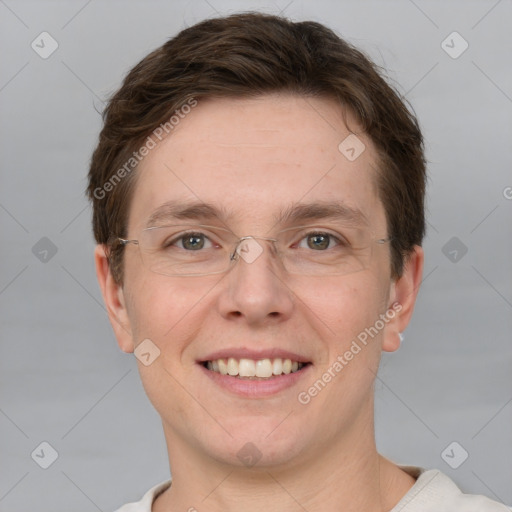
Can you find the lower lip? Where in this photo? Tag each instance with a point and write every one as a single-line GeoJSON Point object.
{"type": "Point", "coordinates": [256, 388]}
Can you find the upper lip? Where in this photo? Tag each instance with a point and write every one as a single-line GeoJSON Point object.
{"type": "Point", "coordinates": [245, 353]}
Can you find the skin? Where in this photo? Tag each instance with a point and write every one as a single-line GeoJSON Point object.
{"type": "Point", "coordinates": [254, 157]}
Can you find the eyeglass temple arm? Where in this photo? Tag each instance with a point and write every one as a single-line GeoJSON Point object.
{"type": "Point", "coordinates": [123, 241]}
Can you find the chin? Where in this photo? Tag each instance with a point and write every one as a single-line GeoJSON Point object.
{"type": "Point", "coordinates": [259, 444]}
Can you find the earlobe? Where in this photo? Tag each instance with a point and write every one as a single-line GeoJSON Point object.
{"type": "Point", "coordinates": [113, 296]}
{"type": "Point", "coordinates": [402, 298]}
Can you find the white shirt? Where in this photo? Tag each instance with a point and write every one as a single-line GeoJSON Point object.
{"type": "Point", "coordinates": [432, 492]}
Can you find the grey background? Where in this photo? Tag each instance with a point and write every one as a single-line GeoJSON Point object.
{"type": "Point", "coordinates": [63, 378]}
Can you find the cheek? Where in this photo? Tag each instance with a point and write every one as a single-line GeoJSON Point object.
{"type": "Point", "coordinates": [347, 306]}
{"type": "Point", "coordinates": [345, 314]}
{"type": "Point", "coordinates": [342, 386]}
{"type": "Point", "coordinates": [167, 311]}
{"type": "Point", "coordinates": [164, 308]}
{"type": "Point", "coordinates": [172, 313]}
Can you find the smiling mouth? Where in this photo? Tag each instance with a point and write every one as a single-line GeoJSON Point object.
{"type": "Point", "coordinates": [251, 369]}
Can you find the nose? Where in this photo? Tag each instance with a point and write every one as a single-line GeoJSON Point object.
{"type": "Point", "coordinates": [256, 286]}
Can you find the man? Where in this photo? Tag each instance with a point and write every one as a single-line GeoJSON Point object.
{"type": "Point", "coordinates": [258, 194]}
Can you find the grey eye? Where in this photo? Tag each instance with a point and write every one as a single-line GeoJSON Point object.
{"type": "Point", "coordinates": [320, 241]}
{"type": "Point", "coordinates": [192, 241]}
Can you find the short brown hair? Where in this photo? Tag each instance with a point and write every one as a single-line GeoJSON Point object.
{"type": "Point", "coordinates": [245, 55]}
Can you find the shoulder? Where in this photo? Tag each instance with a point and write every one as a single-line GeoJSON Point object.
{"type": "Point", "coordinates": [436, 492]}
{"type": "Point", "coordinates": [145, 504]}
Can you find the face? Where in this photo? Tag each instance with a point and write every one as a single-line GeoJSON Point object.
{"type": "Point", "coordinates": [251, 160]}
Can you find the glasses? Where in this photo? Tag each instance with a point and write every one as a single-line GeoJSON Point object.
{"type": "Point", "coordinates": [200, 250]}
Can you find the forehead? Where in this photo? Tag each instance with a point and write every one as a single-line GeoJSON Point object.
{"type": "Point", "coordinates": [256, 161]}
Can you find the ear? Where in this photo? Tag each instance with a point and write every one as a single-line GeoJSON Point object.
{"type": "Point", "coordinates": [402, 298]}
{"type": "Point", "coordinates": [114, 299]}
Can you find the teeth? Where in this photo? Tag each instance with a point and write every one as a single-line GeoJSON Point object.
{"type": "Point", "coordinates": [232, 366]}
{"type": "Point", "coordinates": [263, 368]}
{"type": "Point", "coordinates": [277, 367]}
{"type": "Point", "coordinates": [249, 368]}
{"type": "Point", "coordinates": [246, 368]}
{"type": "Point", "coordinates": [223, 367]}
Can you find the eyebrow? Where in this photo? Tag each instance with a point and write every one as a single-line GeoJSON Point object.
{"type": "Point", "coordinates": [295, 213]}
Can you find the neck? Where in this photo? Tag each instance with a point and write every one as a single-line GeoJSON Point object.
{"type": "Point", "coordinates": [348, 474]}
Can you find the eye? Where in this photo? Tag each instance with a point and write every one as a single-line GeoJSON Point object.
{"type": "Point", "coordinates": [321, 240]}
{"type": "Point", "coordinates": [190, 241]}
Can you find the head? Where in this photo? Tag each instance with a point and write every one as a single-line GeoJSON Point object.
{"type": "Point", "coordinates": [248, 115]}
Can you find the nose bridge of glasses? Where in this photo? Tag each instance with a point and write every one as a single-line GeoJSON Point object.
{"type": "Point", "coordinates": [249, 249]}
